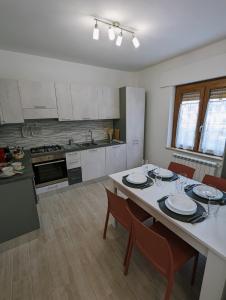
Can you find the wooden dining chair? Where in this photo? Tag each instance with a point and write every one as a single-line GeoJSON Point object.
{"type": "Point", "coordinates": [181, 169]}
{"type": "Point", "coordinates": [217, 182]}
{"type": "Point", "coordinates": [117, 207]}
{"type": "Point", "coordinates": [165, 250]}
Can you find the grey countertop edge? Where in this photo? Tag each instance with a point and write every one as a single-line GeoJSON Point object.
{"type": "Point", "coordinates": [26, 161]}
{"type": "Point", "coordinates": [73, 148]}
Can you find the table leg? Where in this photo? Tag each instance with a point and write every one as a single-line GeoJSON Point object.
{"type": "Point", "coordinates": [213, 285]}
{"type": "Point", "coordinates": [115, 223]}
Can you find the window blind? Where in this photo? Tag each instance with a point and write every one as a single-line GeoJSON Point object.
{"type": "Point", "coordinates": [218, 93]}
{"type": "Point", "coordinates": [191, 96]}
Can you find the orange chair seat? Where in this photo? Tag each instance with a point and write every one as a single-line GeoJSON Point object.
{"type": "Point", "coordinates": [181, 251]}
{"type": "Point", "coordinates": [138, 211]}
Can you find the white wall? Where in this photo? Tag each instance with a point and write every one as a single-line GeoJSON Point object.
{"type": "Point", "coordinates": [24, 66]}
{"type": "Point", "coordinates": [159, 82]}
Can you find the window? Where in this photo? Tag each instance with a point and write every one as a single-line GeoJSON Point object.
{"type": "Point", "coordinates": [200, 117]}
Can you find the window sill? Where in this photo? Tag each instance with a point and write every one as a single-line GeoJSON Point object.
{"type": "Point", "coordinates": [196, 153]}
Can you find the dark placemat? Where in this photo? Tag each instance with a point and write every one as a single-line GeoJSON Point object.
{"type": "Point", "coordinates": [173, 178]}
{"type": "Point", "coordinates": [189, 191]}
{"type": "Point", "coordinates": [138, 186]}
{"type": "Point", "coordinates": [182, 218]}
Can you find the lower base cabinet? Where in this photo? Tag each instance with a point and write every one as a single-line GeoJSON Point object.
{"type": "Point", "coordinates": [18, 211]}
{"type": "Point", "coordinates": [134, 154]}
{"type": "Point", "coordinates": [93, 163]}
{"type": "Point", "coordinates": [115, 159]}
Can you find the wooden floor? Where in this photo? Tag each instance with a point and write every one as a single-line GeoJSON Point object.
{"type": "Point", "coordinates": [68, 259]}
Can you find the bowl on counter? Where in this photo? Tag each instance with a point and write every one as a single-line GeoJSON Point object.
{"type": "Point", "coordinates": [8, 171]}
{"type": "Point", "coordinates": [17, 166]}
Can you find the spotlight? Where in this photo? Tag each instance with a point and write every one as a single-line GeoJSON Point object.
{"type": "Point", "coordinates": [136, 42]}
{"type": "Point", "coordinates": [119, 39]}
{"type": "Point", "coordinates": [96, 32]}
{"type": "Point", "coordinates": [111, 33]}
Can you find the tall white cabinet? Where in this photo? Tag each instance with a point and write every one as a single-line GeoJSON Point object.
{"type": "Point", "coordinates": [108, 103]}
{"type": "Point", "coordinates": [64, 101]}
{"type": "Point", "coordinates": [38, 99]}
{"type": "Point", "coordinates": [84, 102]}
{"type": "Point", "coordinates": [131, 123]}
{"type": "Point", "coordinates": [10, 103]}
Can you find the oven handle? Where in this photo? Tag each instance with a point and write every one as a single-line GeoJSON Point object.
{"type": "Point", "coordinates": [49, 163]}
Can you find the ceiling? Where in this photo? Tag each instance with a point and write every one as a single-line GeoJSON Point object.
{"type": "Point", "coordinates": [63, 29]}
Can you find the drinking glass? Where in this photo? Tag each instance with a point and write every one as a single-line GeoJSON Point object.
{"type": "Point", "coordinates": [179, 184]}
{"type": "Point", "coordinates": [145, 169]}
{"type": "Point", "coordinates": [158, 178]}
{"type": "Point", "coordinates": [212, 208]}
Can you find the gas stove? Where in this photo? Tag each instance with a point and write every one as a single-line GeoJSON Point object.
{"type": "Point", "coordinates": [46, 149]}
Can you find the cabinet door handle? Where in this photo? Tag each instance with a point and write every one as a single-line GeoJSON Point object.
{"type": "Point", "coordinates": [39, 106]}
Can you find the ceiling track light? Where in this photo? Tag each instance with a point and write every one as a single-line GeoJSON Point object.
{"type": "Point", "coordinates": [111, 33]}
{"type": "Point", "coordinates": [119, 39]}
{"type": "Point", "coordinates": [136, 42]}
{"type": "Point", "coordinates": [96, 32]}
{"type": "Point", "coordinates": [112, 28]}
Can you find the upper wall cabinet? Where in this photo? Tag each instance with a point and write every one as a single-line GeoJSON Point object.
{"type": "Point", "coordinates": [64, 101]}
{"type": "Point", "coordinates": [108, 103]}
{"type": "Point", "coordinates": [38, 99]}
{"type": "Point", "coordinates": [10, 105]}
{"type": "Point", "coordinates": [84, 102]}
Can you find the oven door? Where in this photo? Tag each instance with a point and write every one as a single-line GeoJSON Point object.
{"type": "Point", "coordinates": [50, 172]}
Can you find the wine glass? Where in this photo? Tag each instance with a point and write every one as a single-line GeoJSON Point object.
{"type": "Point", "coordinates": [158, 178]}
{"type": "Point", "coordinates": [212, 208]}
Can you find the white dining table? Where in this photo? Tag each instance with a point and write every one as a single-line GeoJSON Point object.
{"type": "Point", "coordinates": [208, 237]}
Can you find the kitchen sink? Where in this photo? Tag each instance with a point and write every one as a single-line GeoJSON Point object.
{"type": "Point", "coordinates": [87, 145]}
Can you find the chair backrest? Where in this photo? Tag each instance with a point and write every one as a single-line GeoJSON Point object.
{"type": "Point", "coordinates": [118, 208]}
{"type": "Point", "coordinates": [217, 182]}
{"type": "Point", "coordinates": [154, 246]}
{"type": "Point", "coordinates": [181, 169]}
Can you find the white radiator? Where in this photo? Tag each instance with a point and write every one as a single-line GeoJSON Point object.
{"type": "Point", "coordinates": [201, 166]}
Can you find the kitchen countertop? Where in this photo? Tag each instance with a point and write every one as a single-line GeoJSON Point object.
{"type": "Point", "coordinates": [27, 172]}
{"type": "Point", "coordinates": [26, 161]}
{"type": "Point", "coordinates": [98, 144]}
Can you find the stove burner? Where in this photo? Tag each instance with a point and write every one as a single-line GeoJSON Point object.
{"type": "Point", "coordinates": [45, 149]}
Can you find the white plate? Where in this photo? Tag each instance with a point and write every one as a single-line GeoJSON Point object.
{"type": "Point", "coordinates": [200, 190]}
{"type": "Point", "coordinates": [2, 175]}
{"type": "Point", "coordinates": [182, 205]}
{"type": "Point", "coordinates": [136, 178]}
{"type": "Point", "coordinates": [164, 173]}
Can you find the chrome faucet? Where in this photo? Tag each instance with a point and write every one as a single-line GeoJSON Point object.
{"type": "Point", "coordinates": [91, 136]}
{"type": "Point", "coordinates": [70, 141]}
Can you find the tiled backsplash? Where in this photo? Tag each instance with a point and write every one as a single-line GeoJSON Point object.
{"type": "Point", "coordinates": [35, 133]}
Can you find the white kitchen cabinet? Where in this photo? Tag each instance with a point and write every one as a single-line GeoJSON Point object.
{"type": "Point", "coordinates": [135, 111]}
{"type": "Point", "coordinates": [37, 94]}
{"type": "Point", "coordinates": [108, 103]}
{"type": "Point", "coordinates": [134, 154]}
{"type": "Point", "coordinates": [93, 163]}
{"type": "Point", "coordinates": [131, 123]}
{"type": "Point", "coordinates": [115, 159]}
{"type": "Point", "coordinates": [73, 160]}
{"type": "Point", "coordinates": [10, 102]}
{"type": "Point", "coordinates": [64, 101]}
{"type": "Point", "coordinates": [84, 102]}
{"type": "Point", "coordinates": [38, 99]}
